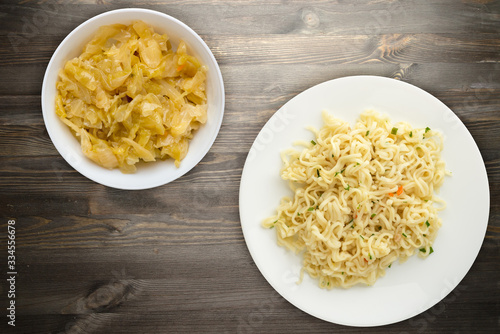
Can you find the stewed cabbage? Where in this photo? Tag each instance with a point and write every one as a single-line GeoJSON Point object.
{"type": "Point", "coordinates": [130, 97]}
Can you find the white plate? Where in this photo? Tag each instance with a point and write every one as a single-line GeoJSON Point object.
{"type": "Point", "coordinates": [409, 288]}
{"type": "Point", "coordinates": [148, 175]}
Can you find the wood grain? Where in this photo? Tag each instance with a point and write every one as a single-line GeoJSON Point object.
{"type": "Point", "coordinates": [92, 259]}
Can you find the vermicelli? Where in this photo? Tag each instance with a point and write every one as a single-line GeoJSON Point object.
{"type": "Point", "coordinates": [364, 197]}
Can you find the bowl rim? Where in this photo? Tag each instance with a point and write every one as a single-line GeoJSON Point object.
{"type": "Point", "coordinates": [69, 155]}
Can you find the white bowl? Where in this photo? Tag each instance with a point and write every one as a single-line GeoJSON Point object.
{"type": "Point", "coordinates": [152, 174]}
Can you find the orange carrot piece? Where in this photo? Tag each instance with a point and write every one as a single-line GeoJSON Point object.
{"type": "Point", "coordinates": [400, 190]}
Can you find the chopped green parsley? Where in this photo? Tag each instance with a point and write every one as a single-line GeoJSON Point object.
{"type": "Point", "coordinates": [423, 250]}
{"type": "Point", "coordinates": [426, 130]}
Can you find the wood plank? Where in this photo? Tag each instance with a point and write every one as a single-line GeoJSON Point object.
{"type": "Point", "coordinates": [271, 78]}
{"type": "Point", "coordinates": [248, 18]}
{"type": "Point", "coordinates": [310, 49]}
{"type": "Point", "coordinates": [23, 134]}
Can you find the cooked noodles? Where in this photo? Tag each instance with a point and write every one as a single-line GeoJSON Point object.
{"type": "Point", "coordinates": [364, 197]}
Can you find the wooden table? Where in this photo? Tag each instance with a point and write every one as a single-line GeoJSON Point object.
{"type": "Point", "coordinates": [92, 259]}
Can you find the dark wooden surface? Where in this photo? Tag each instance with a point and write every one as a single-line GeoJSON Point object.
{"type": "Point", "coordinates": [92, 259]}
